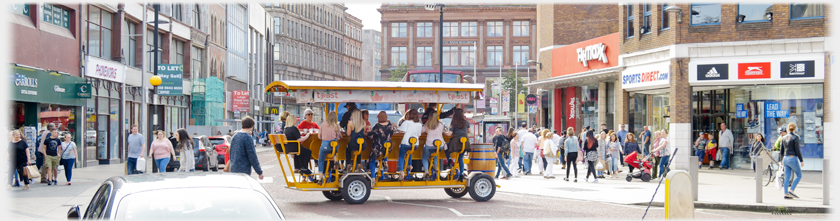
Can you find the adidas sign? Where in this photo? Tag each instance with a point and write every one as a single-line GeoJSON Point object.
{"type": "Point", "coordinates": [713, 73]}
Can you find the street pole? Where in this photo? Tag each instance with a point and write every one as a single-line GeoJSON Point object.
{"type": "Point", "coordinates": [440, 47]}
{"type": "Point", "coordinates": [528, 119]}
{"type": "Point", "coordinates": [144, 105]}
{"type": "Point", "coordinates": [516, 83]}
{"type": "Point", "coordinates": [154, 58]}
{"type": "Point", "coordinates": [475, 81]}
{"type": "Point", "coordinates": [499, 101]}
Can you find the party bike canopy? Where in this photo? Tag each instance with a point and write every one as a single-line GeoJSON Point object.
{"type": "Point", "coordinates": [377, 91]}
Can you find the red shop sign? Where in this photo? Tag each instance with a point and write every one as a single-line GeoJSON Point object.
{"type": "Point", "coordinates": [760, 70]}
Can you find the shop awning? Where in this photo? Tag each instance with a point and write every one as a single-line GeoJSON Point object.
{"type": "Point", "coordinates": [577, 79]}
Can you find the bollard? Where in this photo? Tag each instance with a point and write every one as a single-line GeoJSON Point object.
{"type": "Point", "coordinates": [826, 180]}
{"type": "Point", "coordinates": [758, 173]}
{"type": "Point", "coordinates": [678, 196]}
{"type": "Point", "coordinates": [693, 171]}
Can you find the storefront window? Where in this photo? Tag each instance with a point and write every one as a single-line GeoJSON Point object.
{"type": "Point", "coordinates": [90, 129]}
{"type": "Point", "coordinates": [589, 106]}
{"type": "Point", "coordinates": [114, 128]}
{"type": "Point", "coordinates": [661, 111]}
{"type": "Point", "coordinates": [638, 112]}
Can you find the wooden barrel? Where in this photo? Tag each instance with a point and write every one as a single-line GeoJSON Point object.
{"type": "Point", "coordinates": [482, 159]}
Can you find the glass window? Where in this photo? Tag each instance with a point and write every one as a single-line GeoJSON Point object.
{"type": "Point", "coordinates": [398, 56]}
{"type": "Point", "coordinates": [646, 18]}
{"type": "Point", "coordinates": [424, 56]}
{"type": "Point", "coordinates": [494, 55]}
{"type": "Point", "coordinates": [467, 55]}
{"type": "Point", "coordinates": [114, 130]}
{"type": "Point", "coordinates": [450, 56]}
{"type": "Point", "coordinates": [56, 15]}
{"type": "Point", "coordinates": [277, 25]}
{"type": "Point", "coordinates": [755, 12]}
{"type": "Point", "coordinates": [277, 52]}
{"type": "Point", "coordinates": [494, 29]}
{"type": "Point", "coordinates": [151, 45]}
{"type": "Point", "coordinates": [176, 12]}
{"type": "Point", "coordinates": [705, 14]}
{"type": "Point", "coordinates": [666, 22]}
{"type": "Point", "coordinates": [99, 32]}
{"type": "Point", "coordinates": [631, 31]}
{"type": "Point", "coordinates": [179, 52]}
{"type": "Point", "coordinates": [468, 29]}
{"type": "Point", "coordinates": [520, 28]}
{"type": "Point", "coordinates": [424, 30]}
{"type": "Point", "coordinates": [131, 48]}
{"type": "Point", "coordinates": [196, 56]}
{"type": "Point", "coordinates": [398, 30]}
{"type": "Point", "coordinates": [520, 54]}
{"type": "Point", "coordinates": [20, 9]}
{"type": "Point", "coordinates": [450, 29]}
{"type": "Point", "coordinates": [807, 10]}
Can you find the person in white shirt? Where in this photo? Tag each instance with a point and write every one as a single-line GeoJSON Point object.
{"type": "Point", "coordinates": [412, 128]}
{"type": "Point", "coordinates": [528, 142]}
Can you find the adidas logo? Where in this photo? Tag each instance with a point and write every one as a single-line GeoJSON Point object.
{"type": "Point", "coordinates": [713, 73]}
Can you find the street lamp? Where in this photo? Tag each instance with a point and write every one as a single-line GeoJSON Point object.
{"type": "Point", "coordinates": [431, 7]}
{"type": "Point", "coordinates": [531, 62]}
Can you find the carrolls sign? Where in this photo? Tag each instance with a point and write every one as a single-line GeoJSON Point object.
{"type": "Point", "coordinates": [103, 69]}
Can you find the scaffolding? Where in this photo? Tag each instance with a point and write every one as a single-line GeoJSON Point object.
{"type": "Point", "coordinates": [208, 100]}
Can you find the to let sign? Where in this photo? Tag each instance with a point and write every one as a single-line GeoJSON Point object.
{"type": "Point", "coordinates": [171, 76]}
{"type": "Point", "coordinates": [241, 100]}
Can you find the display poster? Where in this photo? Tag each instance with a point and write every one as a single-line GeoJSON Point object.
{"type": "Point", "coordinates": [810, 127]}
{"type": "Point", "coordinates": [521, 101]}
{"type": "Point", "coordinates": [774, 110]}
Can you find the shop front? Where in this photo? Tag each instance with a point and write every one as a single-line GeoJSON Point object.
{"type": "Point", "coordinates": [582, 86]}
{"type": "Point", "coordinates": [104, 131]}
{"type": "Point", "coordinates": [648, 87]}
{"type": "Point", "coordinates": [760, 95]}
{"type": "Point", "coordinates": [42, 97]}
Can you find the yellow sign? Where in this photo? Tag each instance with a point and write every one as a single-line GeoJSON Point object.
{"type": "Point", "coordinates": [520, 100]}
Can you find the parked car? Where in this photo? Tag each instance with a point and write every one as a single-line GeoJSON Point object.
{"type": "Point", "coordinates": [205, 154]}
{"type": "Point", "coordinates": [221, 145]}
{"type": "Point", "coordinates": [171, 196]}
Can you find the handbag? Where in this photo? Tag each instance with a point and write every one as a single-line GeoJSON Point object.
{"type": "Point", "coordinates": [780, 181]}
{"type": "Point", "coordinates": [31, 171]}
{"type": "Point", "coordinates": [718, 154]}
{"type": "Point", "coordinates": [599, 166]}
{"type": "Point", "coordinates": [141, 164]}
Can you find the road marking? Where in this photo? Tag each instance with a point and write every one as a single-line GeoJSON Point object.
{"type": "Point", "coordinates": [510, 194]}
{"type": "Point", "coordinates": [439, 207]}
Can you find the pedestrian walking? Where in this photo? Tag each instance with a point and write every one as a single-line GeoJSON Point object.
{"type": "Point", "coordinates": [187, 148]}
{"type": "Point", "coordinates": [602, 151]}
{"type": "Point", "coordinates": [782, 133]}
{"type": "Point", "coordinates": [549, 148]}
{"type": "Point", "coordinates": [243, 154]}
{"type": "Point", "coordinates": [559, 140]}
{"type": "Point", "coordinates": [613, 154]}
{"type": "Point", "coordinates": [646, 139]}
{"type": "Point", "coordinates": [655, 154]}
{"type": "Point", "coordinates": [631, 146]}
{"type": "Point", "coordinates": [664, 150]}
{"type": "Point", "coordinates": [499, 144]}
{"type": "Point", "coordinates": [791, 159]}
{"type": "Point", "coordinates": [51, 150]}
{"type": "Point", "coordinates": [301, 159]}
{"type": "Point", "coordinates": [528, 142]}
{"type": "Point", "coordinates": [379, 135]}
{"type": "Point", "coordinates": [515, 154]}
{"type": "Point", "coordinates": [68, 156]}
{"type": "Point", "coordinates": [460, 127]}
{"type": "Point", "coordinates": [538, 155]}
{"type": "Point", "coordinates": [40, 158]}
{"type": "Point", "coordinates": [622, 134]}
{"type": "Point", "coordinates": [161, 151]}
{"type": "Point", "coordinates": [136, 142]}
{"type": "Point", "coordinates": [572, 148]}
{"type": "Point", "coordinates": [411, 127]}
{"type": "Point", "coordinates": [20, 151]}
{"type": "Point", "coordinates": [700, 148]}
{"type": "Point", "coordinates": [726, 142]}
{"type": "Point", "coordinates": [591, 157]}
{"type": "Point", "coordinates": [756, 147]}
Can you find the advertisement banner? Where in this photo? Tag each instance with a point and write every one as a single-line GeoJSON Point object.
{"type": "Point", "coordinates": [571, 107]}
{"type": "Point", "coordinates": [521, 101]}
{"type": "Point", "coordinates": [393, 96]}
{"type": "Point", "coordinates": [505, 107]}
{"type": "Point", "coordinates": [797, 69]}
{"type": "Point", "coordinates": [304, 96]}
{"type": "Point", "coordinates": [104, 69]}
{"type": "Point", "coordinates": [646, 76]}
{"type": "Point", "coordinates": [241, 101]}
{"type": "Point", "coordinates": [171, 76]}
{"type": "Point", "coordinates": [774, 110]}
{"type": "Point", "coordinates": [713, 72]}
{"type": "Point", "coordinates": [531, 99]}
{"type": "Point", "coordinates": [760, 70]}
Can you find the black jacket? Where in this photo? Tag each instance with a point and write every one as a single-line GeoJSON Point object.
{"type": "Point", "coordinates": [346, 118]}
{"type": "Point", "coordinates": [790, 147]}
{"type": "Point", "coordinates": [443, 114]}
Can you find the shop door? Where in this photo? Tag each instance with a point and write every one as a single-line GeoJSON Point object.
{"type": "Point", "coordinates": [102, 150]}
{"type": "Point", "coordinates": [710, 108]}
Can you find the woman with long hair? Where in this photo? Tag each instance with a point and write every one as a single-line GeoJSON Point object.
{"type": "Point", "coordinates": [379, 135]}
{"type": "Point", "coordinates": [654, 144]}
{"type": "Point", "coordinates": [434, 131]}
{"type": "Point", "coordinates": [614, 154]}
{"type": "Point", "coordinates": [515, 154]}
{"type": "Point", "coordinates": [664, 150]}
{"type": "Point", "coordinates": [301, 160]}
{"type": "Point", "coordinates": [791, 160]}
{"type": "Point", "coordinates": [187, 148]}
{"type": "Point", "coordinates": [756, 147]}
{"type": "Point", "coordinates": [591, 157]}
{"type": "Point", "coordinates": [283, 116]}
{"type": "Point", "coordinates": [572, 147]}
{"type": "Point", "coordinates": [549, 149]}
{"type": "Point", "coordinates": [161, 151]}
{"type": "Point", "coordinates": [330, 131]}
{"type": "Point", "coordinates": [355, 130]}
{"type": "Point", "coordinates": [631, 146]}
{"type": "Point", "coordinates": [68, 156]}
{"type": "Point", "coordinates": [602, 152]}
{"type": "Point", "coordinates": [411, 127]}
{"type": "Point", "coordinates": [20, 152]}
{"type": "Point", "coordinates": [459, 128]}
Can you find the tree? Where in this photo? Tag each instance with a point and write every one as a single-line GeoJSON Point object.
{"type": "Point", "coordinates": [508, 84]}
{"type": "Point", "coordinates": [398, 73]}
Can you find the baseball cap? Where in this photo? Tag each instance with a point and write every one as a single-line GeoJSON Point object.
{"type": "Point", "coordinates": [307, 111]}
{"type": "Point", "coordinates": [350, 103]}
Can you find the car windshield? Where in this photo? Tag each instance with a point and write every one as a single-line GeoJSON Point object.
{"type": "Point", "coordinates": [196, 204]}
{"type": "Point", "coordinates": [217, 141]}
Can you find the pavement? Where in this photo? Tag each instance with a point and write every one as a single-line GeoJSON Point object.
{"type": "Point", "coordinates": [719, 189]}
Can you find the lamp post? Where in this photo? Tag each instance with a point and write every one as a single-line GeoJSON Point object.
{"type": "Point", "coordinates": [431, 7]}
{"type": "Point", "coordinates": [531, 62]}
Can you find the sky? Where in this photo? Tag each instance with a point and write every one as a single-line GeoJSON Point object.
{"type": "Point", "coordinates": [367, 12]}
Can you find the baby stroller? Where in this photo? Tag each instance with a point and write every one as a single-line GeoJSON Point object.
{"type": "Point", "coordinates": [644, 170]}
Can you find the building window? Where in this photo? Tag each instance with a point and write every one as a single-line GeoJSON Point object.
{"type": "Point", "coordinates": [450, 29]}
{"type": "Point", "coordinates": [176, 12]}
{"type": "Point", "coordinates": [424, 30]}
{"type": "Point", "coordinates": [195, 68]}
{"type": "Point", "coordinates": [520, 54]}
{"type": "Point", "coordinates": [424, 56]}
{"type": "Point", "coordinates": [807, 11]}
{"type": "Point", "coordinates": [468, 29]}
{"type": "Point", "coordinates": [20, 9]}
{"type": "Point", "coordinates": [494, 29]}
{"type": "Point", "coordinates": [521, 28]}
{"type": "Point", "coordinates": [467, 56]}
{"type": "Point", "coordinates": [131, 48]}
{"type": "Point", "coordinates": [277, 25]}
{"type": "Point", "coordinates": [398, 56]}
{"type": "Point", "coordinates": [494, 55]}
{"type": "Point", "coordinates": [179, 52]}
{"type": "Point", "coordinates": [450, 56]}
{"type": "Point", "coordinates": [705, 14]}
{"type": "Point", "coordinates": [666, 21]}
{"type": "Point", "coordinates": [646, 8]}
{"type": "Point", "coordinates": [630, 30]}
{"type": "Point", "coordinates": [398, 30]}
{"type": "Point", "coordinates": [755, 12]}
{"type": "Point", "coordinates": [150, 42]}
{"type": "Point", "coordinates": [196, 21]}
{"type": "Point", "coordinates": [99, 32]}
{"type": "Point", "coordinates": [57, 16]}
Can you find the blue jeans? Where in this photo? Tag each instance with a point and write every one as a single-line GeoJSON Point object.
{"type": "Point", "coordinates": [647, 149]}
{"type": "Point", "coordinates": [68, 168]}
{"type": "Point", "coordinates": [404, 148]}
{"type": "Point", "coordinates": [529, 158]}
{"type": "Point", "coordinates": [614, 164]}
{"type": "Point", "coordinates": [460, 165]}
{"type": "Point", "coordinates": [161, 163]}
{"type": "Point", "coordinates": [132, 165]}
{"type": "Point", "coordinates": [428, 150]}
{"type": "Point", "coordinates": [663, 164]}
{"type": "Point", "coordinates": [791, 166]}
{"type": "Point", "coordinates": [500, 162]}
{"type": "Point", "coordinates": [372, 166]}
{"type": "Point", "coordinates": [724, 159]}
{"type": "Point", "coordinates": [700, 155]}
{"type": "Point", "coordinates": [562, 157]}
{"type": "Point", "coordinates": [322, 155]}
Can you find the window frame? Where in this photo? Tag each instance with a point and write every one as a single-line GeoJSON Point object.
{"type": "Point", "coordinates": [518, 51]}
{"type": "Point", "coordinates": [401, 56]}
{"type": "Point", "coordinates": [471, 27]}
{"type": "Point", "coordinates": [691, 17]}
{"type": "Point", "coordinates": [647, 14]}
{"type": "Point", "coordinates": [427, 27]}
{"type": "Point", "coordinates": [665, 18]}
{"type": "Point", "coordinates": [751, 21]}
{"type": "Point", "coordinates": [470, 54]}
{"type": "Point", "coordinates": [101, 27]}
{"type": "Point", "coordinates": [449, 26]}
{"type": "Point", "coordinates": [496, 25]}
{"type": "Point", "coordinates": [449, 55]}
{"type": "Point", "coordinates": [196, 21]}
{"type": "Point", "coordinates": [401, 28]}
{"type": "Point", "coordinates": [131, 56]}
{"type": "Point", "coordinates": [426, 56]}
{"type": "Point", "coordinates": [179, 45]}
{"type": "Point", "coordinates": [802, 18]}
{"type": "Point", "coordinates": [518, 28]}
{"type": "Point", "coordinates": [630, 19]}
{"type": "Point", "coordinates": [496, 49]}
{"type": "Point", "coordinates": [177, 12]}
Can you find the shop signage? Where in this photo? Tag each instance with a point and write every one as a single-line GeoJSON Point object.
{"type": "Point", "coordinates": [797, 69]}
{"type": "Point", "coordinates": [713, 72]}
{"type": "Point", "coordinates": [39, 86]}
{"type": "Point", "coordinates": [646, 76]}
{"type": "Point", "coordinates": [592, 52]}
{"type": "Point", "coordinates": [739, 111]}
{"type": "Point", "coordinates": [774, 110]}
{"type": "Point", "coordinates": [531, 99]}
{"type": "Point", "coordinates": [241, 100]}
{"type": "Point", "coordinates": [104, 69]}
{"type": "Point", "coordinates": [521, 101]}
{"type": "Point", "coordinates": [760, 70]}
{"type": "Point", "coordinates": [272, 110]}
{"type": "Point", "coordinates": [171, 76]}
{"type": "Point", "coordinates": [392, 96]}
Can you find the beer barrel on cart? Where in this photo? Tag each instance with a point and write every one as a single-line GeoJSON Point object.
{"type": "Point", "coordinates": [482, 159]}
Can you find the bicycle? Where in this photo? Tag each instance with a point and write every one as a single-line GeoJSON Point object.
{"type": "Point", "coordinates": [770, 165]}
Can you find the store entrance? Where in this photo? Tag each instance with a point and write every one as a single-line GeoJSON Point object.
{"type": "Point", "coordinates": [710, 109]}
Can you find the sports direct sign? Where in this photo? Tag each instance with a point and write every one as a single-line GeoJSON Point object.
{"type": "Point", "coordinates": [646, 76]}
{"type": "Point", "coordinates": [393, 96]}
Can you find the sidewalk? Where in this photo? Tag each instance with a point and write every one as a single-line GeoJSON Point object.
{"type": "Point", "coordinates": [52, 202]}
{"type": "Point", "coordinates": [718, 189]}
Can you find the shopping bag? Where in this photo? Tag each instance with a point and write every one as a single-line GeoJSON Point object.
{"type": "Point", "coordinates": [718, 155]}
{"type": "Point", "coordinates": [780, 177]}
{"type": "Point", "coordinates": [599, 166]}
{"type": "Point", "coordinates": [31, 171]}
{"type": "Point", "coordinates": [141, 164]}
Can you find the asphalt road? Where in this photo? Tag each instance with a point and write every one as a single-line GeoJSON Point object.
{"type": "Point", "coordinates": [435, 204]}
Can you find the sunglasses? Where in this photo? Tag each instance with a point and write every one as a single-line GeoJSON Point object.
{"type": "Point", "coordinates": [308, 114]}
